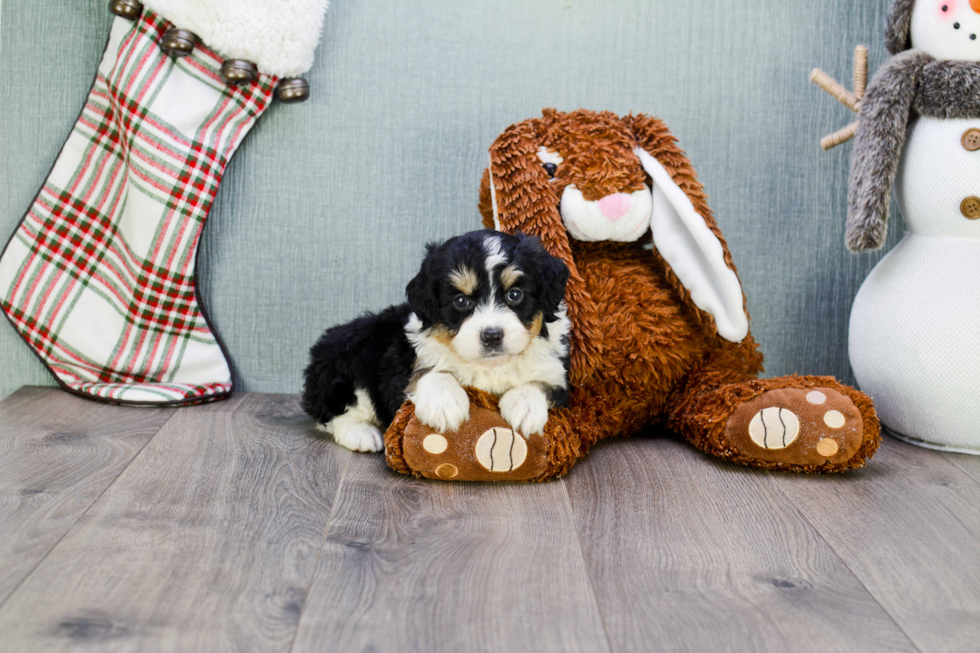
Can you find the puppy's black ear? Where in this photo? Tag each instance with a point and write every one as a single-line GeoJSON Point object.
{"type": "Point", "coordinates": [554, 277]}
{"type": "Point", "coordinates": [551, 272]}
{"type": "Point", "coordinates": [423, 290]}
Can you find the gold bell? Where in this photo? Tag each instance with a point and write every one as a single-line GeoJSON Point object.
{"type": "Point", "coordinates": [292, 90]}
{"type": "Point", "coordinates": [178, 42]}
{"type": "Point", "coordinates": [238, 71]}
{"type": "Point", "coordinates": [128, 9]}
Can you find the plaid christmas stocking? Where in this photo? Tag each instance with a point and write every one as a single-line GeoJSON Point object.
{"type": "Point", "coordinates": [99, 276]}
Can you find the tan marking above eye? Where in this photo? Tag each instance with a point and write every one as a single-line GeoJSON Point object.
{"type": "Point", "coordinates": [509, 276]}
{"type": "Point", "coordinates": [464, 280]}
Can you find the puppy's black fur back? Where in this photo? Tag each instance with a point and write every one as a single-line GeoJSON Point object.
{"type": "Point", "coordinates": [372, 353]}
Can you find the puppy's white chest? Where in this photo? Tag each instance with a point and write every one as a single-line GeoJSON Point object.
{"type": "Point", "coordinates": [541, 362]}
{"type": "Point", "coordinates": [530, 367]}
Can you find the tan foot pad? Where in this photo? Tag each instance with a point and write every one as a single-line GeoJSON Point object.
{"type": "Point", "coordinates": [483, 449]}
{"type": "Point", "coordinates": [797, 426]}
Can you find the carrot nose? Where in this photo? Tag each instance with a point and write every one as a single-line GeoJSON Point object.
{"type": "Point", "coordinates": [975, 5]}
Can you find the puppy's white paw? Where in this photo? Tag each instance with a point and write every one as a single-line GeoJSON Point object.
{"type": "Point", "coordinates": [440, 402]}
{"type": "Point", "coordinates": [526, 409]}
{"type": "Point", "coordinates": [359, 437]}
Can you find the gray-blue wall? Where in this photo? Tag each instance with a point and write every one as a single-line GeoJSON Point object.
{"type": "Point", "coordinates": [325, 210]}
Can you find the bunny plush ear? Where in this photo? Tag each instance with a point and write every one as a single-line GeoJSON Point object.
{"type": "Point", "coordinates": [686, 235]}
{"type": "Point", "coordinates": [522, 200]}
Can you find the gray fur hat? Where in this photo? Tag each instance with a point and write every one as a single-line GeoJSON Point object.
{"type": "Point", "coordinates": [898, 36]}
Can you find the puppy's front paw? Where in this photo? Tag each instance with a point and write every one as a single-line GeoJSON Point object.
{"type": "Point", "coordinates": [440, 402]}
{"type": "Point", "coordinates": [526, 409]}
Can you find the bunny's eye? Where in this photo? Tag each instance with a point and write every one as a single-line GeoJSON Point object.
{"type": "Point", "coordinates": [550, 160]}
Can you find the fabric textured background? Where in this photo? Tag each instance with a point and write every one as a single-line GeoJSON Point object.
{"type": "Point", "coordinates": [325, 210]}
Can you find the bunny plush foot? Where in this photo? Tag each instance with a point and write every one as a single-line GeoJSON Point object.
{"type": "Point", "coordinates": [806, 424]}
{"type": "Point", "coordinates": [484, 447]}
{"type": "Point", "coordinates": [814, 428]}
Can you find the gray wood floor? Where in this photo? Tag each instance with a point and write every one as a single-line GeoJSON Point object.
{"type": "Point", "coordinates": [237, 527]}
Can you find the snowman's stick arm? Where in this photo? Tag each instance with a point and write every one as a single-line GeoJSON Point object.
{"type": "Point", "coordinates": [860, 71]}
{"type": "Point", "coordinates": [851, 100]}
{"type": "Point", "coordinates": [840, 137]}
{"type": "Point", "coordinates": [834, 88]}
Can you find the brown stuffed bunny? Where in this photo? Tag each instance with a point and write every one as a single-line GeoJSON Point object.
{"type": "Point", "coordinates": [658, 336]}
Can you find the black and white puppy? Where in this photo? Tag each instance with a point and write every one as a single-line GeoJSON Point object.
{"type": "Point", "coordinates": [486, 311]}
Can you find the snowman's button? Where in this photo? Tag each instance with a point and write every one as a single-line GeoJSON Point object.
{"type": "Point", "coordinates": [970, 208]}
{"type": "Point", "coordinates": [971, 140]}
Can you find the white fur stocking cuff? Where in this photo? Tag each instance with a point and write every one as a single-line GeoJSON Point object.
{"type": "Point", "coordinates": [278, 36]}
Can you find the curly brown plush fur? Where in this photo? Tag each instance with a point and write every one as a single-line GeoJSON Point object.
{"type": "Point", "coordinates": [642, 352]}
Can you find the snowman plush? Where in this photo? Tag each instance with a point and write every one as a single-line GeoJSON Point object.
{"type": "Point", "coordinates": [915, 326]}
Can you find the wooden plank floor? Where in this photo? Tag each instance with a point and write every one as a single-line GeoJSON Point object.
{"type": "Point", "coordinates": [238, 527]}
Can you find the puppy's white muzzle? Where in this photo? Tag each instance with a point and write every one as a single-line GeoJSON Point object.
{"type": "Point", "coordinates": [469, 342]}
{"type": "Point", "coordinates": [621, 217]}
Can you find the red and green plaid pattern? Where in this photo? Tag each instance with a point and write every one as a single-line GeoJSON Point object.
{"type": "Point", "coordinates": [99, 276]}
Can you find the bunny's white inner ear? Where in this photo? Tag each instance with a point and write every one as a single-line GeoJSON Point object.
{"type": "Point", "coordinates": [694, 253]}
{"type": "Point", "coordinates": [493, 197]}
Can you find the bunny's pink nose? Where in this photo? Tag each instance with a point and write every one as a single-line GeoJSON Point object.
{"type": "Point", "coordinates": [615, 206]}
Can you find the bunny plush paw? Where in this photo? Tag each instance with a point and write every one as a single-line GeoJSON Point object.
{"type": "Point", "coordinates": [799, 427]}
{"type": "Point", "coordinates": [485, 448]}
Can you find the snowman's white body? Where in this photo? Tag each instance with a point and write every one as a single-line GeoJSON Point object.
{"type": "Point", "coordinates": [915, 326]}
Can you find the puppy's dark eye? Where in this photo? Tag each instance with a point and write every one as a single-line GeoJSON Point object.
{"type": "Point", "coordinates": [462, 303]}
{"type": "Point", "coordinates": [551, 169]}
{"type": "Point", "coordinates": [515, 295]}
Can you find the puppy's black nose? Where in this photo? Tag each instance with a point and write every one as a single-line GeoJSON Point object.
{"type": "Point", "coordinates": [492, 338]}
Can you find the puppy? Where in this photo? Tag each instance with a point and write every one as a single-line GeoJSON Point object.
{"type": "Point", "coordinates": [486, 310]}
